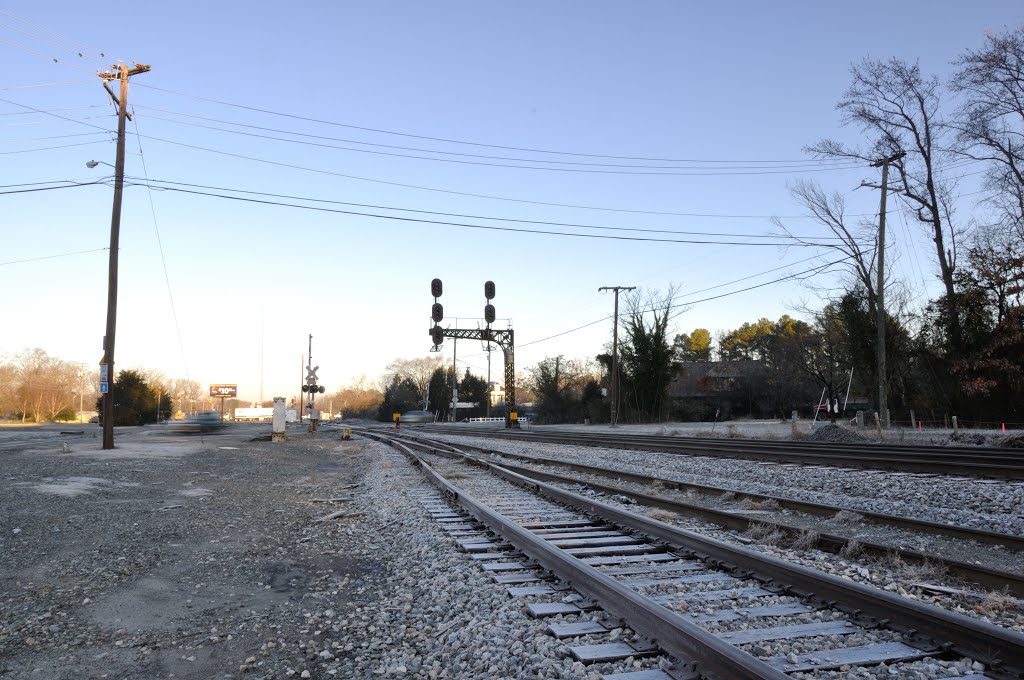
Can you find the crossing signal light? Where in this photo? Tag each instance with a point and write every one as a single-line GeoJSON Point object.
{"type": "Point", "coordinates": [489, 290]}
{"type": "Point", "coordinates": [436, 312]}
{"type": "Point", "coordinates": [305, 388]}
{"type": "Point", "coordinates": [489, 313]}
{"type": "Point", "coordinates": [435, 288]}
{"type": "Point", "coordinates": [437, 335]}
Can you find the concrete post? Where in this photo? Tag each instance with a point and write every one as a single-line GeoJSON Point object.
{"type": "Point", "coordinates": [860, 420]}
{"type": "Point", "coordinates": [913, 420]}
{"type": "Point", "coordinates": [956, 427]}
{"type": "Point", "coordinates": [278, 426]}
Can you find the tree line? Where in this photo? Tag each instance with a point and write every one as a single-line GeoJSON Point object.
{"type": "Point", "coordinates": [959, 353]}
{"type": "Point", "coordinates": [36, 387]}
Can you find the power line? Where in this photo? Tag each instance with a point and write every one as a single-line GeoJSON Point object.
{"type": "Point", "coordinates": [39, 139]}
{"type": "Point", "coordinates": [44, 56]}
{"type": "Point", "coordinates": [752, 276]}
{"type": "Point", "coordinates": [55, 181]}
{"type": "Point", "coordinates": [68, 186]}
{"type": "Point", "coordinates": [803, 167]}
{"type": "Point", "coordinates": [67, 108]}
{"type": "Point", "coordinates": [813, 270]}
{"type": "Point", "coordinates": [462, 215]}
{"type": "Point", "coordinates": [48, 42]}
{"type": "Point", "coordinates": [635, 171]}
{"type": "Point", "coordinates": [55, 115]}
{"type": "Point", "coordinates": [50, 257]}
{"type": "Point", "coordinates": [47, 122]}
{"type": "Point", "coordinates": [458, 193]}
{"type": "Point", "coordinates": [57, 84]}
{"type": "Point", "coordinates": [456, 141]}
{"type": "Point", "coordinates": [50, 148]}
{"type": "Point", "coordinates": [56, 35]}
{"type": "Point", "coordinates": [475, 226]}
{"type": "Point", "coordinates": [160, 247]}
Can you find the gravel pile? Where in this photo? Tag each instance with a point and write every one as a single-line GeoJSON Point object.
{"type": "Point", "coordinates": [836, 434]}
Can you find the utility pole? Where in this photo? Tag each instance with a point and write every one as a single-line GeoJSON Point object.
{"type": "Point", "coordinates": [615, 353]}
{"type": "Point", "coordinates": [883, 402]}
{"type": "Point", "coordinates": [122, 74]}
{"type": "Point", "coordinates": [455, 377]}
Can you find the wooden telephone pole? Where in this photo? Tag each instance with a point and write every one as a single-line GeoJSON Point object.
{"type": "Point", "coordinates": [883, 401]}
{"type": "Point", "coordinates": [614, 416]}
{"type": "Point", "coordinates": [121, 73]}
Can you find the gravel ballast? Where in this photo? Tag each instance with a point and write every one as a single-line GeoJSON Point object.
{"type": "Point", "coordinates": [995, 505]}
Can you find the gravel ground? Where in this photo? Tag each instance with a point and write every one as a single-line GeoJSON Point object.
{"type": "Point", "coordinates": [997, 506]}
{"type": "Point", "coordinates": [178, 559]}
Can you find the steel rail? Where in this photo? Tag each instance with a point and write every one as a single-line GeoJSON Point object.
{"type": "Point", "coordinates": [924, 625]}
{"type": "Point", "coordinates": [979, 574]}
{"type": "Point", "coordinates": [997, 647]}
{"type": "Point", "coordinates": [1008, 463]}
{"type": "Point", "coordinates": [990, 451]}
{"type": "Point", "coordinates": [809, 507]}
{"type": "Point", "coordinates": [683, 639]}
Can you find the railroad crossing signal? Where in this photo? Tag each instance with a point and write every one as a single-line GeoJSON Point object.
{"type": "Point", "coordinates": [311, 385]}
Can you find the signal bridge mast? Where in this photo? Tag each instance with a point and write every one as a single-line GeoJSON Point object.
{"type": "Point", "coordinates": [505, 339]}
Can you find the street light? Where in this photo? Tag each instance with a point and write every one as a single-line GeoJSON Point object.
{"type": "Point", "coordinates": [115, 232]}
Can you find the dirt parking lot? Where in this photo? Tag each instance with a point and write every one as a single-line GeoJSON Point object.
{"type": "Point", "coordinates": [181, 558]}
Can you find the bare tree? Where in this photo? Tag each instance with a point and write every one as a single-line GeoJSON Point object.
{"type": "Point", "coordinates": [9, 402]}
{"type": "Point", "coordinates": [990, 122]}
{"type": "Point", "coordinates": [418, 371]}
{"type": "Point", "coordinates": [900, 108]}
{"type": "Point", "coordinates": [858, 244]}
{"type": "Point", "coordinates": [184, 392]}
{"type": "Point", "coordinates": [359, 398]}
{"type": "Point", "coordinates": [45, 385]}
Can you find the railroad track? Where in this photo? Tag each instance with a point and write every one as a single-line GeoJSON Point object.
{"type": "Point", "coordinates": [979, 574]}
{"type": "Point", "coordinates": [698, 606]}
{"type": "Point", "coordinates": [977, 461]}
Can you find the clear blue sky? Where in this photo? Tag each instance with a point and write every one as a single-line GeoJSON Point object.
{"type": "Point", "coordinates": [725, 83]}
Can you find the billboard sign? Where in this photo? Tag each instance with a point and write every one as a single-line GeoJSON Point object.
{"type": "Point", "coordinates": [223, 390]}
